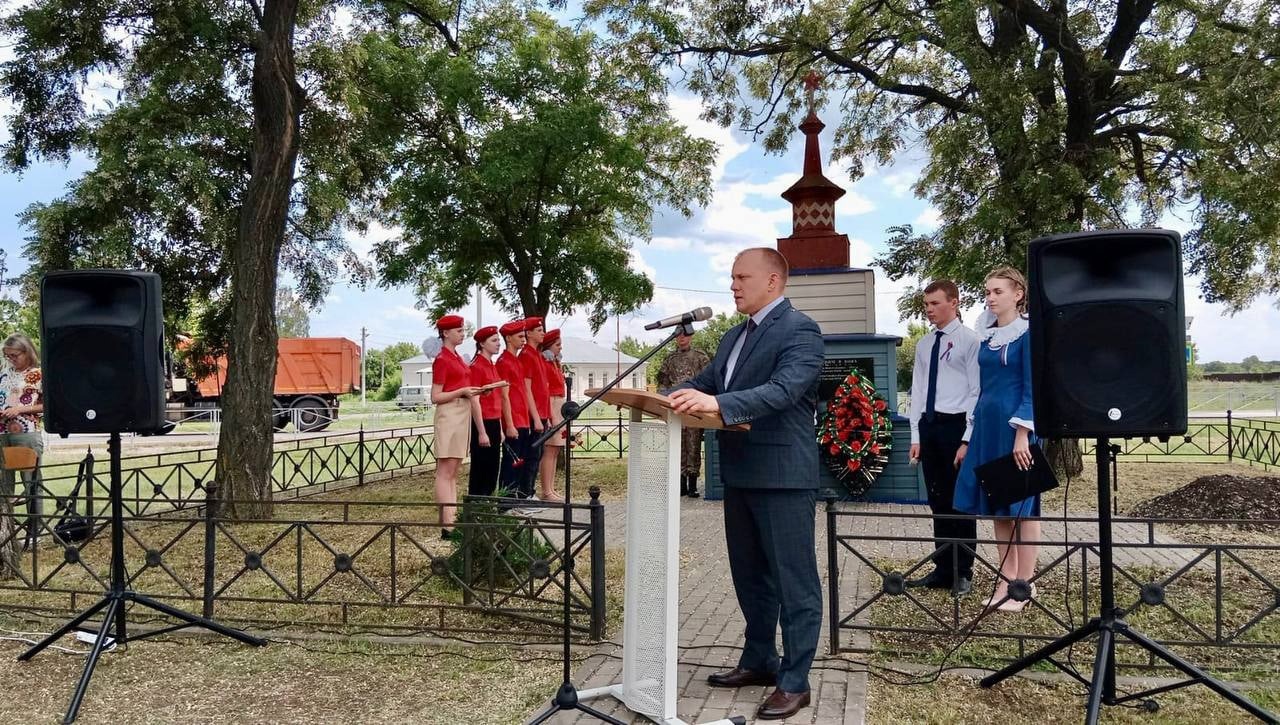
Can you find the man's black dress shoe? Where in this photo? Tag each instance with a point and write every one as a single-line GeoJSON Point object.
{"type": "Point", "coordinates": [782, 705]}
{"type": "Point", "coordinates": [933, 581]}
{"type": "Point", "coordinates": [738, 677]}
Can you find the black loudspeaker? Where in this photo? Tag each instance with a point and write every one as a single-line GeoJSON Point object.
{"type": "Point", "coordinates": [1108, 350]}
{"type": "Point", "coordinates": [102, 333]}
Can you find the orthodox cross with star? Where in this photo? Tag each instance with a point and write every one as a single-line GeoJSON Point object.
{"type": "Point", "coordinates": [811, 82]}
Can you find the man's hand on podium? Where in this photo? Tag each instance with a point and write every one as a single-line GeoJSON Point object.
{"type": "Point", "coordinates": [689, 401]}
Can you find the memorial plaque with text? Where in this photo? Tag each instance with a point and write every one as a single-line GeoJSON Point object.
{"type": "Point", "coordinates": [834, 370]}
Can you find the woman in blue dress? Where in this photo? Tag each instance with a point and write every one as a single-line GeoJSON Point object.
{"type": "Point", "coordinates": [1002, 424]}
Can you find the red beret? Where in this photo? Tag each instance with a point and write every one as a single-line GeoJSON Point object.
{"type": "Point", "coordinates": [532, 322]}
{"type": "Point", "coordinates": [449, 322]}
{"type": "Point", "coordinates": [551, 336]}
{"type": "Point", "coordinates": [512, 328]}
{"type": "Point", "coordinates": [485, 333]}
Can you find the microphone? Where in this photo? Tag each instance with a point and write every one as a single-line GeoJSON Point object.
{"type": "Point", "coordinates": [698, 315]}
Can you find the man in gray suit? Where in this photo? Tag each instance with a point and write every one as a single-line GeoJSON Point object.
{"type": "Point", "coordinates": [765, 373]}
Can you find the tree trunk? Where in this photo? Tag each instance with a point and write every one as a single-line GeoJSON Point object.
{"type": "Point", "coordinates": [1064, 456]}
{"type": "Point", "coordinates": [245, 443]}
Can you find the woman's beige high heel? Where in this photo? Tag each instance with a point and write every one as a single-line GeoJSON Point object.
{"type": "Point", "coordinates": [1012, 606]}
{"type": "Point", "coordinates": [990, 601]}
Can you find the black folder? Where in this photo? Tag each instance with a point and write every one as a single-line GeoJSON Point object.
{"type": "Point", "coordinates": [1005, 484]}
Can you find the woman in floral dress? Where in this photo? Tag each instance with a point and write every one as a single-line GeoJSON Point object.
{"type": "Point", "coordinates": [21, 410]}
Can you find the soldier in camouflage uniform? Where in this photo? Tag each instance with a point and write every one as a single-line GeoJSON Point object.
{"type": "Point", "coordinates": [679, 366]}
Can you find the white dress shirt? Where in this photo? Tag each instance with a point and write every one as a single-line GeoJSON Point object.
{"type": "Point", "coordinates": [759, 317]}
{"type": "Point", "coordinates": [958, 378]}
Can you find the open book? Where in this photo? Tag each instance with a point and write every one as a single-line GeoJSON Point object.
{"type": "Point", "coordinates": [494, 386]}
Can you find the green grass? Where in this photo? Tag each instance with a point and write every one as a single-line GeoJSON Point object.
{"type": "Point", "coordinates": [1207, 395]}
{"type": "Point", "coordinates": [1204, 396]}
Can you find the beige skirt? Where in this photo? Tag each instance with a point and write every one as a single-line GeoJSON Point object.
{"type": "Point", "coordinates": [556, 440]}
{"type": "Point", "coordinates": [453, 429]}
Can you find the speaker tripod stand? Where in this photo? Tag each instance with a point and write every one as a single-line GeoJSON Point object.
{"type": "Point", "coordinates": [113, 603]}
{"type": "Point", "coordinates": [1109, 626]}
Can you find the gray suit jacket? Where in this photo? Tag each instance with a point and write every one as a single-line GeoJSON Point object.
{"type": "Point", "coordinates": [775, 389]}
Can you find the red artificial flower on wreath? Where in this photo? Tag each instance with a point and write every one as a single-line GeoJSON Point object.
{"type": "Point", "coordinates": [854, 427]}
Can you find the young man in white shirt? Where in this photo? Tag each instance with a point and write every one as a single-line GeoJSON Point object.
{"type": "Point", "coordinates": [944, 390]}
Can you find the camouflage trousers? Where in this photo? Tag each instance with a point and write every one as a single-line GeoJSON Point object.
{"type": "Point", "coordinates": [691, 452]}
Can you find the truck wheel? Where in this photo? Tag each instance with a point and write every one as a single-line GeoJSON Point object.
{"type": "Point", "coordinates": [279, 414]}
{"type": "Point", "coordinates": [313, 413]}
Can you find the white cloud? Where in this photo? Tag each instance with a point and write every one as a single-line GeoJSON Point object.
{"type": "Point", "coordinates": [638, 264]}
{"type": "Point", "coordinates": [405, 312]}
{"type": "Point", "coordinates": [1219, 335]}
{"type": "Point", "coordinates": [887, 294]}
{"type": "Point", "coordinates": [852, 203]}
{"type": "Point", "coordinates": [861, 254]}
{"type": "Point", "coordinates": [362, 244]}
{"type": "Point", "coordinates": [669, 244]}
{"type": "Point", "coordinates": [900, 183]}
{"type": "Point", "coordinates": [928, 220]}
{"type": "Point", "coordinates": [720, 258]}
{"type": "Point", "coordinates": [687, 110]}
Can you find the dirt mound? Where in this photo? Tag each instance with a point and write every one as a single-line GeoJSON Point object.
{"type": "Point", "coordinates": [1218, 497]}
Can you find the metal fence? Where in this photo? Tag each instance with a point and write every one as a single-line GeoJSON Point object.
{"type": "Point", "coordinates": [1221, 601]}
{"type": "Point", "coordinates": [1252, 441]}
{"type": "Point", "coordinates": [175, 480]}
{"type": "Point", "coordinates": [348, 564]}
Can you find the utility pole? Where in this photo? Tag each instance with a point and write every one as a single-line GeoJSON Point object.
{"type": "Point", "coordinates": [479, 308]}
{"type": "Point", "coordinates": [364, 337]}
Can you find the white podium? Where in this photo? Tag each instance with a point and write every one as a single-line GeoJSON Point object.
{"type": "Point", "coordinates": [650, 622]}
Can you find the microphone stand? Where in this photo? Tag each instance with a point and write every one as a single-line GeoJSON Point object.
{"type": "Point", "coordinates": [567, 696]}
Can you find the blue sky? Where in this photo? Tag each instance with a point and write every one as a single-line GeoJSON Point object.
{"type": "Point", "coordinates": [689, 259]}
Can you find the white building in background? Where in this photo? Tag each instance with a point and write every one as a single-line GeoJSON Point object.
{"type": "Point", "coordinates": [589, 364]}
{"type": "Point", "coordinates": [593, 365]}
{"type": "Point", "coordinates": [416, 371]}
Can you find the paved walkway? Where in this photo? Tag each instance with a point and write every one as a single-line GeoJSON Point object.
{"type": "Point", "coordinates": [711, 626]}
{"type": "Point", "coordinates": [710, 633]}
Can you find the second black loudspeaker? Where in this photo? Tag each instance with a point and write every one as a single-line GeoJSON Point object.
{"type": "Point", "coordinates": [102, 333]}
{"type": "Point", "coordinates": [1108, 350]}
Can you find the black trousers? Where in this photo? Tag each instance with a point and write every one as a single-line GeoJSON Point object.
{"type": "Point", "coordinates": [939, 440]}
{"type": "Point", "coordinates": [485, 461]}
{"type": "Point", "coordinates": [511, 476]}
{"type": "Point", "coordinates": [532, 457]}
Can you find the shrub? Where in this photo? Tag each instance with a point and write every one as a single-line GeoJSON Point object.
{"type": "Point", "coordinates": [504, 548]}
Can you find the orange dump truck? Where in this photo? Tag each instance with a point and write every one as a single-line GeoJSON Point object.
{"type": "Point", "coordinates": [311, 372]}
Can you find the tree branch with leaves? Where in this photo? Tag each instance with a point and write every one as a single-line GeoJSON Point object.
{"type": "Point", "coordinates": [1037, 117]}
{"type": "Point", "coordinates": [521, 156]}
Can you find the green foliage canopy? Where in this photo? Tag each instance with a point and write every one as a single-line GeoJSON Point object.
{"type": "Point", "coordinates": [907, 353]}
{"type": "Point", "coordinates": [521, 156]}
{"type": "Point", "coordinates": [157, 94]}
{"type": "Point", "coordinates": [292, 319]}
{"type": "Point", "coordinates": [1036, 117]}
{"type": "Point", "coordinates": [706, 338]}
